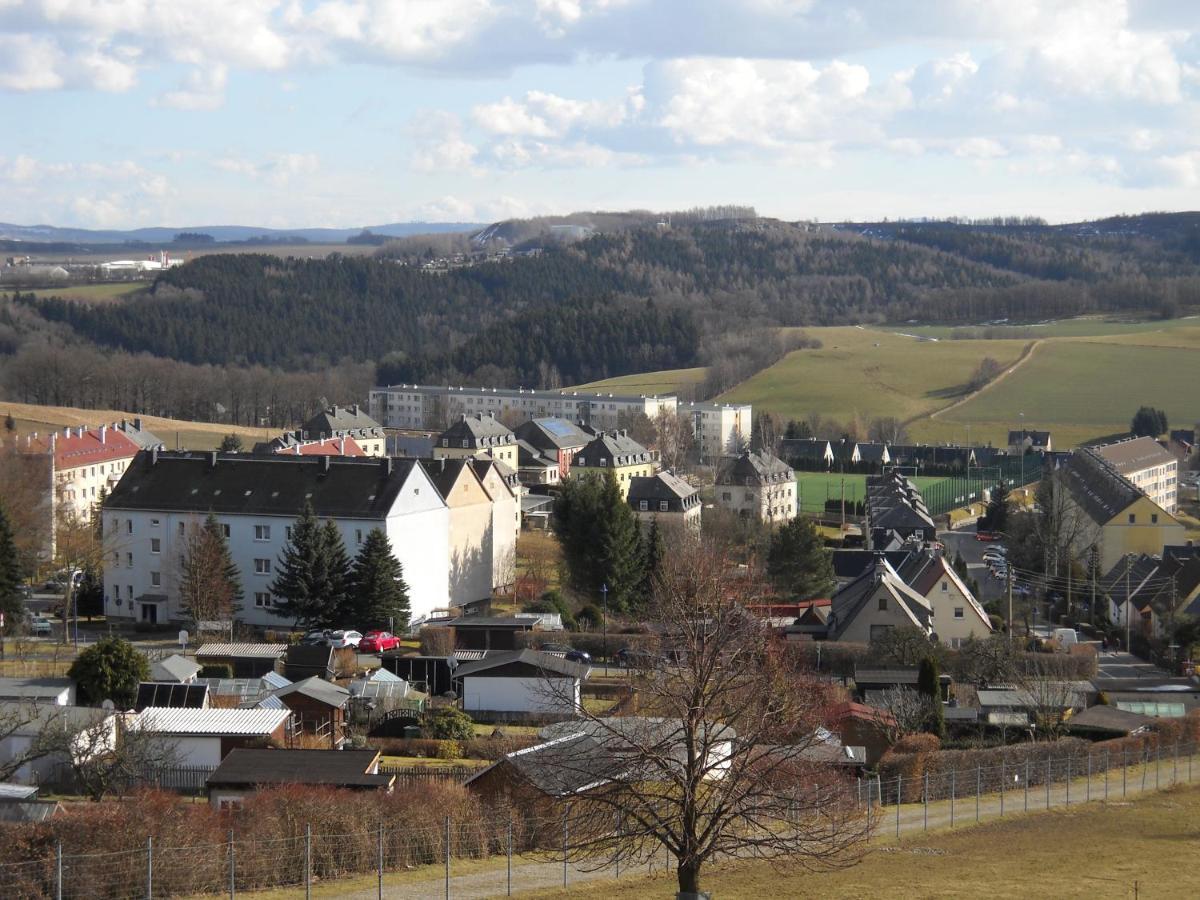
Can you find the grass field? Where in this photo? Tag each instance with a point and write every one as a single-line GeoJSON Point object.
{"type": "Point", "coordinates": [814, 488]}
{"type": "Point", "coordinates": [1087, 851]}
{"type": "Point", "coordinates": [96, 293]}
{"type": "Point", "coordinates": [667, 381]}
{"type": "Point", "coordinates": [172, 432]}
{"type": "Point", "coordinates": [1083, 326]}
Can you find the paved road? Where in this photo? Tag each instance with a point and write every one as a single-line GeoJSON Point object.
{"type": "Point", "coordinates": [1126, 665]}
{"type": "Point", "coordinates": [963, 542]}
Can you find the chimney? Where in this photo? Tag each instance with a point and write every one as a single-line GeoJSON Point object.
{"type": "Point", "coordinates": [103, 433]}
{"type": "Point", "coordinates": [67, 431]}
{"type": "Point", "coordinates": [325, 463]}
{"type": "Point", "coordinates": [354, 409]}
{"type": "Point", "coordinates": [137, 423]}
{"type": "Point", "coordinates": [298, 453]}
{"type": "Point", "coordinates": [464, 417]}
{"type": "Point", "coordinates": [443, 462]}
{"type": "Point", "coordinates": [342, 446]}
{"type": "Point", "coordinates": [153, 456]}
{"type": "Point", "coordinates": [212, 459]}
{"type": "Point", "coordinates": [387, 466]}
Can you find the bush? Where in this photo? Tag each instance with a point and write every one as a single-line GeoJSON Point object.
{"type": "Point", "coordinates": [216, 670]}
{"type": "Point", "coordinates": [592, 642]}
{"type": "Point", "coordinates": [450, 724]}
{"type": "Point", "coordinates": [449, 750]}
{"type": "Point", "coordinates": [437, 641]}
{"type": "Point", "coordinates": [918, 743]}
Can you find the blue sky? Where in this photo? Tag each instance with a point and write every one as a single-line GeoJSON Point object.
{"type": "Point", "coordinates": [120, 113]}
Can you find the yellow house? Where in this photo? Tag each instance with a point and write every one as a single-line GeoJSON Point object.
{"type": "Point", "coordinates": [1112, 514]}
{"type": "Point", "coordinates": [480, 435]}
{"type": "Point", "coordinates": [617, 452]}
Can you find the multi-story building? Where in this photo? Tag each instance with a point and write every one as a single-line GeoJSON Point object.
{"type": "Point", "coordinates": [471, 528]}
{"type": "Point", "coordinates": [349, 422]}
{"type": "Point", "coordinates": [896, 513]}
{"type": "Point", "coordinates": [721, 429]}
{"type": "Point", "coordinates": [556, 439]}
{"type": "Point", "coordinates": [295, 444]}
{"type": "Point", "coordinates": [1152, 469]}
{"type": "Point", "coordinates": [416, 406]}
{"type": "Point", "coordinates": [757, 486]}
{"type": "Point", "coordinates": [504, 487]}
{"type": "Point", "coordinates": [667, 499]}
{"type": "Point", "coordinates": [256, 500]}
{"type": "Point", "coordinates": [616, 452]}
{"type": "Point", "coordinates": [957, 614]}
{"type": "Point", "coordinates": [479, 435]}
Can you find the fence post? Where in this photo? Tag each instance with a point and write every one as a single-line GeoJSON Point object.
{"type": "Point", "coordinates": [1190, 755]}
{"type": "Point", "coordinates": [1001, 788]}
{"type": "Point", "coordinates": [447, 858]}
{"type": "Point", "coordinates": [1124, 770]}
{"type": "Point", "coordinates": [1089, 778]}
{"type": "Point", "coordinates": [1145, 767]}
{"type": "Point", "coordinates": [1068, 779]}
{"type": "Point", "coordinates": [898, 778]}
{"type": "Point", "coordinates": [232, 868]}
{"type": "Point", "coordinates": [307, 862]}
{"type": "Point", "coordinates": [926, 801]}
{"type": "Point", "coordinates": [508, 853]}
{"type": "Point", "coordinates": [1106, 775]}
{"type": "Point", "coordinates": [1026, 785]}
{"type": "Point", "coordinates": [379, 849]}
{"type": "Point", "coordinates": [978, 787]}
{"type": "Point", "coordinates": [564, 848]}
{"type": "Point", "coordinates": [1157, 763]}
{"type": "Point", "coordinates": [953, 779]}
{"type": "Point", "coordinates": [149, 867]}
{"type": "Point", "coordinates": [1175, 766]}
{"type": "Point", "coordinates": [58, 885]}
{"type": "Point", "coordinates": [1049, 777]}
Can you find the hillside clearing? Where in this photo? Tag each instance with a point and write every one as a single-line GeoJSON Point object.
{"type": "Point", "coordinates": [94, 293]}
{"type": "Point", "coordinates": [667, 381]}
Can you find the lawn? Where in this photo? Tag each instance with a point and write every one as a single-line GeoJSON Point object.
{"type": "Point", "coordinates": [1086, 851]}
{"type": "Point", "coordinates": [814, 488]}
{"type": "Point", "coordinates": [863, 373]}
{"type": "Point", "coordinates": [1083, 326]}
{"type": "Point", "coordinates": [97, 293]}
{"type": "Point", "coordinates": [667, 381]}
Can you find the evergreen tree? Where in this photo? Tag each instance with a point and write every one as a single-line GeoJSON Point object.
{"type": "Point", "coordinates": [929, 685]}
{"type": "Point", "coordinates": [1148, 422]}
{"type": "Point", "coordinates": [337, 578]}
{"type": "Point", "coordinates": [11, 603]}
{"type": "Point", "coordinates": [797, 561]}
{"type": "Point", "coordinates": [378, 591]}
{"type": "Point", "coordinates": [231, 443]}
{"type": "Point", "coordinates": [620, 546]}
{"type": "Point", "coordinates": [298, 588]}
{"type": "Point", "coordinates": [109, 670]}
{"type": "Point", "coordinates": [210, 585]}
{"type": "Point", "coordinates": [998, 508]}
{"type": "Point", "coordinates": [654, 550]}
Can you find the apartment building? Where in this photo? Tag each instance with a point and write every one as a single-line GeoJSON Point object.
{"type": "Point", "coordinates": [416, 406]}
{"type": "Point", "coordinates": [347, 422]}
{"type": "Point", "coordinates": [616, 452]}
{"type": "Point", "coordinates": [721, 429]}
{"type": "Point", "coordinates": [479, 435]}
{"type": "Point", "coordinates": [1152, 469]}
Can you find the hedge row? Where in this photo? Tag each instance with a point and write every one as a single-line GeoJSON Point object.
{"type": "Point", "coordinates": [838, 658]}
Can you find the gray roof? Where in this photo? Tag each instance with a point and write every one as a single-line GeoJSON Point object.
{"type": "Point", "coordinates": [753, 468]}
{"type": "Point", "coordinates": [14, 792]}
{"type": "Point", "coordinates": [136, 433]}
{"type": "Point", "coordinates": [1097, 487]}
{"type": "Point", "coordinates": [871, 452]}
{"type": "Point", "coordinates": [245, 651]}
{"type": "Point", "coordinates": [33, 688]}
{"type": "Point", "coordinates": [559, 434]}
{"type": "Point", "coordinates": [211, 722]}
{"type": "Point", "coordinates": [32, 718]}
{"type": "Point", "coordinates": [339, 419]}
{"type": "Point", "coordinates": [1108, 718]}
{"type": "Point", "coordinates": [663, 486]}
{"type": "Point", "coordinates": [348, 768]}
{"type": "Point", "coordinates": [1037, 438]}
{"type": "Point", "coordinates": [893, 502]}
{"type": "Point", "coordinates": [244, 484]}
{"type": "Point", "coordinates": [617, 447]}
{"type": "Point", "coordinates": [886, 676]}
{"type": "Point", "coordinates": [853, 598]}
{"type": "Point", "coordinates": [318, 689]}
{"type": "Point", "coordinates": [175, 667]}
{"type": "Point", "coordinates": [444, 473]}
{"type": "Point", "coordinates": [545, 662]}
{"type": "Point", "coordinates": [478, 431]}
{"type": "Point", "coordinates": [560, 767]}
{"type": "Point", "coordinates": [1136, 454]}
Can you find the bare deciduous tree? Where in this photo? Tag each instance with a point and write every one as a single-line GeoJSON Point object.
{"type": "Point", "coordinates": [908, 709]}
{"type": "Point", "coordinates": [726, 760]}
{"type": "Point", "coordinates": [1047, 696]}
{"type": "Point", "coordinates": [675, 438]}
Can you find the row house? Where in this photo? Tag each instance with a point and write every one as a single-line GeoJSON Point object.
{"type": "Point", "coordinates": [1151, 468]}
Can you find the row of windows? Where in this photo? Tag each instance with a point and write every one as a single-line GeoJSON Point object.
{"type": "Point", "coordinates": [83, 472]}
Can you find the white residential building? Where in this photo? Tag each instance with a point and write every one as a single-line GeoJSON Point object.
{"type": "Point", "coordinates": [257, 499]}
{"type": "Point", "coordinates": [721, 429]}
{"type": "Point", "coordinates": [1151, 468]}
{"type": "Point", "coordinates": [757, 486]}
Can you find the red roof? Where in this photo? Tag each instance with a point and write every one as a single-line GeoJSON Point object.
{"type": "Point", "coordinates": [850, 710]}
{"type": "Point", "coordinates": [327, 447]}
{"type": "Point", "coordinates": [94, 445]}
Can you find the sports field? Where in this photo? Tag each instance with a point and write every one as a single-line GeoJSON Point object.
{"type": "Point", "coordinates": [814, 488]}
{"type": "Point", "coordinates": [666, 381]}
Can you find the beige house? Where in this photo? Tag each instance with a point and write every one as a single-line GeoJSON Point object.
{"type": "Point", "coordinates": [757, 485]}
{"type": "Point", "coordinates": [347, 422]}
{"type": "Point", "coordinates": [502, 486]}
{"type": "Point", "coordinates": [479, 435]}
{"type": "Point", "coordinates": [956, 612]}
{"type": "Point", "coordinates": [1152, 469]}
{"type": "Point", "coordinates": [471, 528]}
{"type": "Point", "coordinates": [876, 602]}
{"type": "Point", "coordinates": [667, 499]}
{"type": "Point", "coordinates": [617, 452]}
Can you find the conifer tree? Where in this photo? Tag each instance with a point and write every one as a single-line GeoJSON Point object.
{"type": "Point", "coordinates": [11, 604]}
{"type": "Point", "coordinates": [335, 572]}
{"type": "Point", "coordinates": [654, 550]}
{"type": "Point", "coordinates": [298, 588]}
{"type": "Point", "coordinates": [797, 561]}
{"type": "Point", "coordinates": [620, 545]}
{"type": "Point", "coordinates": [378, 595]}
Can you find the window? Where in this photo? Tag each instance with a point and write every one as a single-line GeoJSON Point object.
{"type": "Point", "coordinates": [129, 560]}
{"type": "Point", "coordinates": [466, 443]}
{"type": "Point", "coordinates": [288, 531]}
{"type": "Point", "coordinates": [358, 532]}
{"type": "Point", "coordinates": [262, 532]}
{"type": "Point", "coordinates": [1153, 518]}
{"type": "Point", "coordinates": [262, 600]}
{"type": "Point", "coordinates": [945, 586]}
{"type": "Point", "coordinates": [116, 558]}
{"type": "Point", "coordinates": [1132, 518]}
{"type": "Point", "coordinates": [182, 527]}
{"type": "Point", "coordinates": [262, 567]}
{"type": "Point", "coordinates": [445, 442]}
{"type": "Point", "coordinates": [662, 505]}
{"type": "Point", "coordinates": [883, 604]}
{"type": "Point", "coordinates": [154, 523]}
{"type": "Point", "coordinates": [156, 579]}
{"type": "Point", "coordinates": [155, 545]}
{"type": "Point", "coordinates": [129, 526]}
{"type": "Point", "coordinates": [726, 496]}
{"type": "Point", "coordinates": [581, 461]}
{"type": "Point", "coordinates": [643, 505]}
{"type": "Point", "coordinates": [958, 612]}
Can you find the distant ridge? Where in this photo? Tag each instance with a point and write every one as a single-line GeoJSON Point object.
{"type": "Point", "coordinates": [48, 234]}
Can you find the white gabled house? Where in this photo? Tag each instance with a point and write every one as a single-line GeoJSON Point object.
{"type": "Point", "coordinates": [521, 682]}
{"type": "Point", "coordinates": [257, 499]}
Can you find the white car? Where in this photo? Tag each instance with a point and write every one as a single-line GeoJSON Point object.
{"type": "Point", "coordinates": [343, 638]}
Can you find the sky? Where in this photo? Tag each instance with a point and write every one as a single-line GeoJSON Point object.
{"type": "Point", "coordinates": [290, 113]}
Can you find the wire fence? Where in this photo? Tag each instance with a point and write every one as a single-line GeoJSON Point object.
{"type": "Point", "coordinates": [511, 854]}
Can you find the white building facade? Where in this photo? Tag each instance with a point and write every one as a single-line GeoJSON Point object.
{"type": "Point", "coordinates": [721, 429]}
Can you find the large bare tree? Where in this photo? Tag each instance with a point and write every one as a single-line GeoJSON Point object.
{"type": "Point", "coordinates": [726, 759]}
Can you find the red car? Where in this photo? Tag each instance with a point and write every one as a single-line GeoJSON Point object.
{"type": "Point", "coordinates": [987, 536]}
{"type": "Point", "coordinates": [377, 642]}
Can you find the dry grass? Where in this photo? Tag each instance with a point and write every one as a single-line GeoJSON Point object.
{"type": "Point", "coordinates": [1089, 851]}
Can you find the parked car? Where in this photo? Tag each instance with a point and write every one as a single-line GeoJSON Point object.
{"type": "Point", "coordinates": [986, 536]}
{"type": "Point", "coordinates": [568, 652]}
{"type": "Point", "coordinates": [344, 638]}
{"type": "Point", "coordinates": [315, 638]}
{"type": "Point", "coordinates": [39, 625]}
{"type": "Point", "coordinates": [635, 658]}
{"type": "Point", "coordinates": [378, 642]}
{"type": "Point", "coordinates": [993, 557]}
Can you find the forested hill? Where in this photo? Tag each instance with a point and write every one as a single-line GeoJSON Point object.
{"type": "Point", "coordinates": [625, 301]}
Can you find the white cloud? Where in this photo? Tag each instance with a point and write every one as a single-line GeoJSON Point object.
{"type": "Point", "coordinates": [543, 114]}
{"type": "Point", "coordinates": [278, 170]}
{"type": "Point", "coordinates": [202, 89]}
{"type": "Point", "coordinates": [29, 63]}
{"type": "Point", "coordinates": [980, 148]}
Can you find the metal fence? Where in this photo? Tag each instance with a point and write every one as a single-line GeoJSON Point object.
{"type": "Point", "coordinates": [184, 779]}
{"type": "Point", "coordinates": [408, 775]}
{"type": "Point", "coordinates": [956, 491]}
{"type": "Point", "coordinates": [419, 858]}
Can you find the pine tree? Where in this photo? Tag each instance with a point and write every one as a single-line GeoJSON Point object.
{"type": "Point", "coordinates": [797, 561]}
{"type": "Point", "coordinates": [619, 546]}
{"type": "Point", "coordinates": [929, 684]}
{"type": "Point", "coordinates": [654, 550]}
{"type": "Point", "coordinates": [210, 585]}
{"type": "Point", "coordinates": [335, 572]}
{"type": "Point", "coordinates": [298, 587]}
{"type": "Point", "coordinates": [998, 508]}
{"type": "Point", "coordinates": [11, 603]}
{"type": "Point", "coordinates": [378, 595]}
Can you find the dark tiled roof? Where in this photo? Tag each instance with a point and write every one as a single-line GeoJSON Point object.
{"type": "Point", "coordinates": [337, 419]}
{"type": "Point", "coordinates": [546, 662]}
{"type": "Point", "coordinates": [754, 468]}
{"type": "Point", "coordinates": [316, 688]}
{"type": "Point", "coordinates": [871, 453]}
{"type": "Point", "coordinates": [170, 693]}
{"type": "Point", "coordinates": [242, 484]}
{"type": "Point", "coordinates": [552, 433]}
{"type": "Point", "coordinates": [805, 448]}
{"type": "Point", "coordinates": [853, 598]}
{"type": "Point", "coordinates": [663, 486]}
{"type": "Point", "coordinates": [893, 502]}
{"type": "Point", "coordinates": [349, 768]}
{"type": "Point", "coordinates": [1037, 438]}
{"type": "Point", "coordinates": [1097, 487]}
{"type": "Point", "coordinates": [851, 563]}
{"type": "Point", "coordinates": [478, 430]}
{"type": "Point", "coordinates": [1134, 455]}
{"type": "Point", "coordinates": [617, 447]}
{"type": "Point", "coordinates": [1108, 718]}
{"type": "Point", "coordinates": [444, 473]}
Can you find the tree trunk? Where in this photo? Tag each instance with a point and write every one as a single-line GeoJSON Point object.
{"type": "Point", "coordinates": [689, 878]}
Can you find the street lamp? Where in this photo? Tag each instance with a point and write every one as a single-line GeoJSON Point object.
{"type": "Point", "coordinates": [604, 596]}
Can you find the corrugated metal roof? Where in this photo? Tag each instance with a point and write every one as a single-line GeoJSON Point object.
{"type": "Point", "coordinates": [211, 721]}
{"type": "Point", "coordinates": [10, 792]}
{"type": "Point", "coordinates": [274, 681]}
{"type": "Point", "coordinates": [260, 651]}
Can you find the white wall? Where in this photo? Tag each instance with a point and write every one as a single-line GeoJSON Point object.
{"type": "Point", "coordinates": [535, 695]}
{"type": "Point", "coordinates": [197, 751]}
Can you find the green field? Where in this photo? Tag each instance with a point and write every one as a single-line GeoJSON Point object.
{"type": "Point", "coordinates": [1084, 326]}
{"type": "Point", "coordinates": [667, 381]}
{"type": "Point", "coordinates": [814, 488]}
{"type": "Point", "coordinates": [98, 293]}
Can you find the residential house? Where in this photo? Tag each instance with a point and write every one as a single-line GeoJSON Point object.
{"type": "Point", "coordinates": [895, 509]}
{"type": "Point", "coordinates": [171, 694]}
{"type": "Point", "coordinates": [504, 488]}
{"type": "Point", "coordinates": [720, 429]}
{"type": "Point", "coordinates": [1151, 468]}
{"type": "Point", "coordinates": [1115, 517]}
{"type": "Point", "coordinates": [757, 486]}
{"type": "Point", "coordinates": [875, 603]}
{"type": "Point", "coordinates": [203, 737]}
{"type": "Point", "coordinates": [429, 406]}
{"type": "Point", "coordinates": [554, 439]}
{"type": "Point", "coordinates": [175, 668]}
{"type": "Point", "coordinates": [478, 435]}
{"type": "Point", "coordinates": [617, 452]}
{"type": "Point", "coordinates": [318, 707]}
{"type": "Point", "coordinates": [1156, 591]}
{"type": "Point", "coordinates": [811, 622]}
{"type": "Point", "coordinates": [816, 452]}
{"type": "Point", "coordinates": [870, 454]}
{"type": "Point", "coordinates": [54, 691]}
{"type": "Point", "coordinates": [849, 563]}
{"type": "Point", "coordinates": [471, 535]}
{"type": "Point", "coordinates": [1026, 441]}
{"type": "Point", "coordinates": [667, 499]}
{"type": "Point", "coordinates": [94, 733]}
{"type": "Point", "coordinates": [244, 771]}
{"type": "Point", "coordinates": [348, 422]}
{"type": "Point", "coordinates": [536, 468]}
{"type": "Point", "coordinates": [256, 500]}
{"type": "Point", "coordinates": [243, 660]}
{"type": "Point", "coordinates": [1182, 444]}
{"type": "Point", "coordinates": [296, 444]}
{"type": "Point", "coordinates": [521, 682]}
{"type": "Point", "coordinates": [956, 612]}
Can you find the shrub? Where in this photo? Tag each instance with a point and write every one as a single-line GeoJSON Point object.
{"type": "Point", "coordinates": [918, 743]}
{"type": "Point", "coordinates": [450, 724]}
{"type": "Point", "coordinates": [216, 670]}
{"type": "Point", "coordinates": [438, 641]}
{"type": "Point", "coordinates": [449, 750]}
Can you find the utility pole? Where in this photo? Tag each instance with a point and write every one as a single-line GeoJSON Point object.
{"type": "Point", "coordinates": [1128, 603]}
{"type": "Point", "coordinates": [1093, 564]}
{"type": "Point", "coordinates": [1008, 579]}
{"type": "Point", "coordinates": [604, 594]}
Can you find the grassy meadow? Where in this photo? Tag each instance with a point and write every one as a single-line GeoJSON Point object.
{"type": "Point", "coordinates": [93, 293]}
{"type": "Point", "coordinates": [667, 381]}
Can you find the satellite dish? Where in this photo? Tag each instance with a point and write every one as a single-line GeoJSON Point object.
{"type": "Point", "coordinates": [108, 704]}
{"type": "Point", "coordinates": [452, 662]}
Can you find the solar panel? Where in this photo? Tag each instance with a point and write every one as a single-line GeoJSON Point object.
{"type": "Point", "coordinates": [557, 427]}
